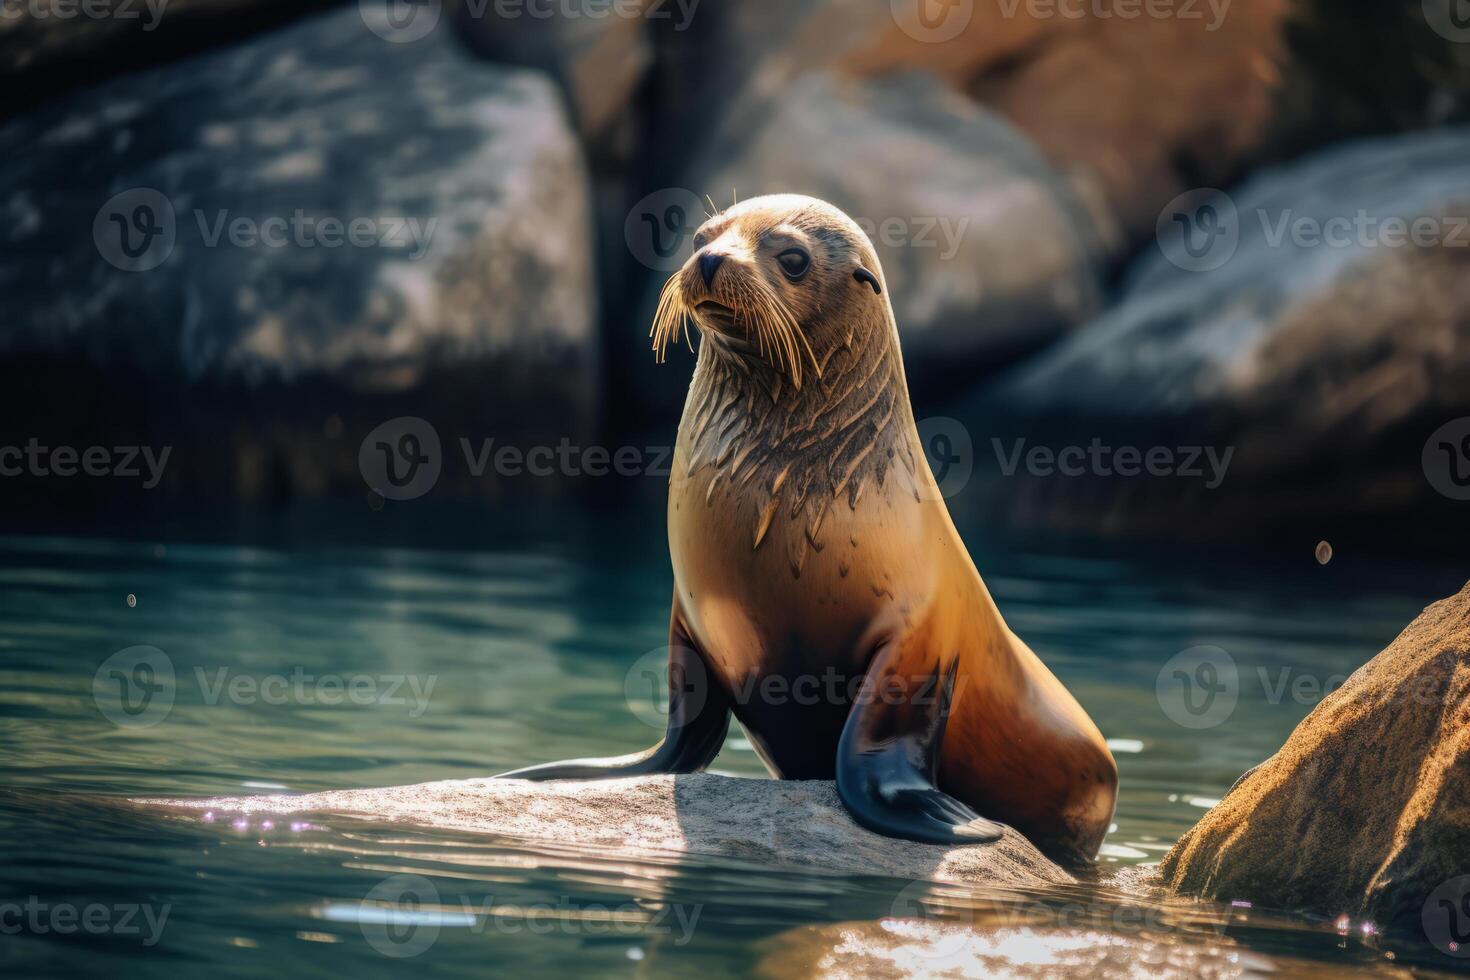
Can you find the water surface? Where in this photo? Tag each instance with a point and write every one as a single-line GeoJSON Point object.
{"type": "Point", "coordinates": [475, 660]}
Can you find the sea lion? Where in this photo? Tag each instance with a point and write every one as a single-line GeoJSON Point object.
{"type": "Point", "coordinates": [821, 592]}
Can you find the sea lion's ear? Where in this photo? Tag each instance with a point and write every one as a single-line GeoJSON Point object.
{"type": "Point", "coordinates": [863, 275]}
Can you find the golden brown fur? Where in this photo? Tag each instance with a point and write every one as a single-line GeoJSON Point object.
{"type": "Point", "coordinates": [807, 534]}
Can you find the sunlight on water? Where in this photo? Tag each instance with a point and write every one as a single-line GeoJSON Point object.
{"type": "Point", "coordinates": [296, 671]}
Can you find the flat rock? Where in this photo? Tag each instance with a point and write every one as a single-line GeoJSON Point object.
{"type": "Point", "coordinates": [789, 823]}
{"type": "Point", "coordinates": [1365, 811]}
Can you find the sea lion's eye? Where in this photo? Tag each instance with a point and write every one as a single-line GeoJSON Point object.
{"type": "Point", "coordinates": [794, 262]}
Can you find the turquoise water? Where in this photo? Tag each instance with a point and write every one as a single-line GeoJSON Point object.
{"type": "Point", "coordinates": [516, 650]}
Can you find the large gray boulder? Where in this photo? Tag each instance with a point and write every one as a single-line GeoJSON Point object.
{"type": "Point", "coordinates": [317, 222]}
{"type": "Point", "coordinates": [793, 823]}
{"type": "Point", "coordinates": [1313, 327]}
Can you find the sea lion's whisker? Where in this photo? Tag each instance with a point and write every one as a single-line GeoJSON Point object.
{"type": "Point", "coordinates": [670, 319]}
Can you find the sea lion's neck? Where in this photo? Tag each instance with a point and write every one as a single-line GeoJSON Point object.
{"type": "Point", "coordinates": [795, 452]}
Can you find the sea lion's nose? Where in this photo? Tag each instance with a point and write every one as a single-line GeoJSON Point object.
{"type": "Point", "coordinates": [709, 264]}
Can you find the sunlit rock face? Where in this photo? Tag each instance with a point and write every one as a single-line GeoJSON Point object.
{"type": "Point", "coordinates": [314, 223]}
{"type": "Point", "coordinates": [1365, 811]}
{"type": "Point", "coordinates": [799, 823]}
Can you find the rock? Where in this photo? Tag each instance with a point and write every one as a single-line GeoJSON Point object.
{"type": "Point", "coordinates": [321, 224]}
{"type": "Point", "coordinates": [1134, 108]}
{"type": "Point", "coordinates": [599, 52]}
{"type": "Point", "coordinates": [986, 253]}
{"type": "Point", "coordinates": [1324, 370]}
{"type": "Point", "coordinates": [60, 45]}
{"type": "Point", "coordinates": [1365, 811]}
{"type": "Point", "coordinates": [795, 823]}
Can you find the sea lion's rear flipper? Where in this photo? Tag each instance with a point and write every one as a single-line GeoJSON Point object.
{"type": "Point", "coordinates": [699, 716]}
{"type": "Point", "coordinates": [889, 756]}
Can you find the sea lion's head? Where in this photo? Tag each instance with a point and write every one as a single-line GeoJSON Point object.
{"type": "Point", "coordinates": [780, 280]}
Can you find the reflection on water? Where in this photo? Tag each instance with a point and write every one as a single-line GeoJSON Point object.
{"type": "Point", "coordinates": [316, 669]}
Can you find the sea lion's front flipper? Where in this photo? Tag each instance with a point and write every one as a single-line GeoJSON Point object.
{"type": "Point", "coordinates": [699, 716]}
{"type": "Point", "coordinates": [889, 756]}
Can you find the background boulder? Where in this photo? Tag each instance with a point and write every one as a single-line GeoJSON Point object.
{"type": "Point", "coordinates": [1315, 331]}
{"type": "Point", "coordinates": [987, 255]}
{"type": "Point", "coordinates": [315, 224]}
